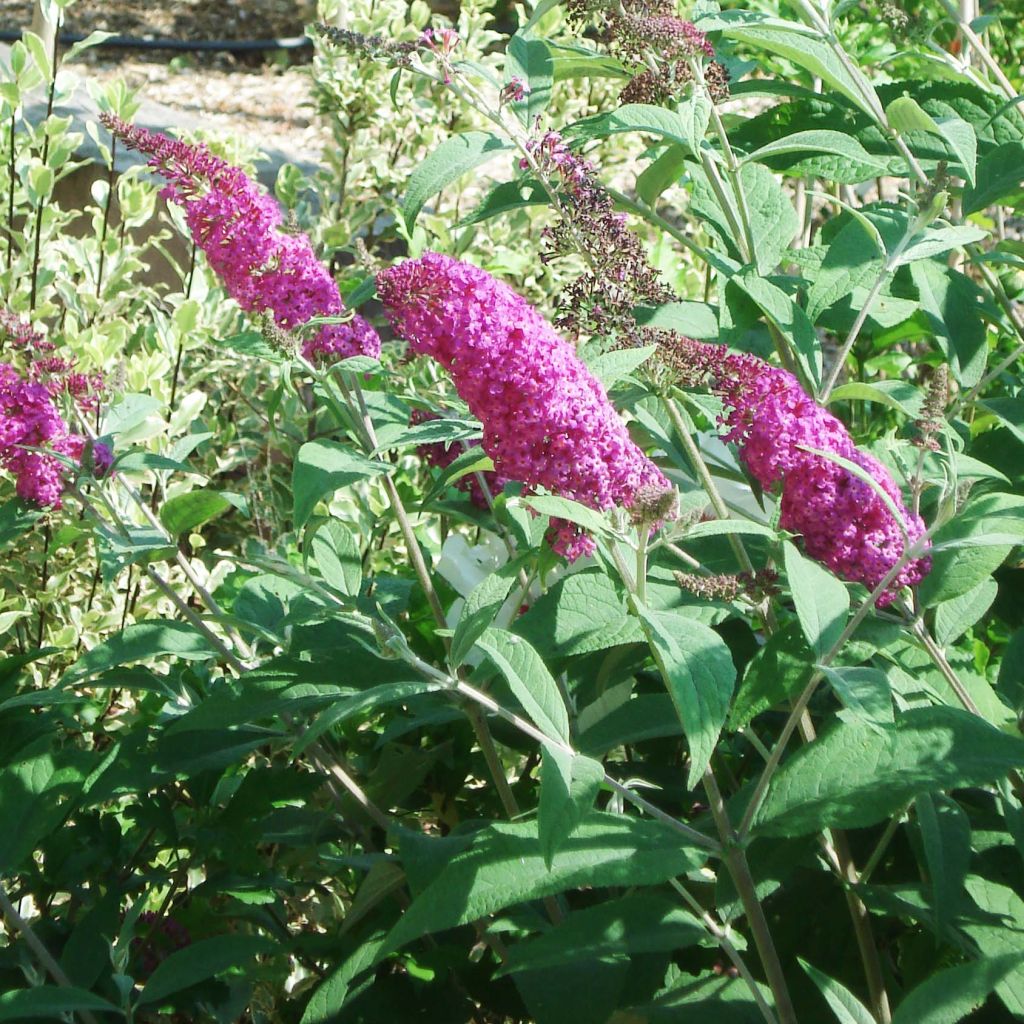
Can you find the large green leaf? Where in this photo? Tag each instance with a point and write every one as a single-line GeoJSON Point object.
{"type": "Point", "coordinates": [777, 672]}
{"type": "Point", "coordinates": [184, 512]}
{"type": "Point", "coordinates": [321, 468]}
{"type": "Point", "coordinates": [49, 1002]}
{"type": "Point", "coordinates": [856, 775]}
{"type": "Point", "coordinates": [950, 995]}
{"type": "Point", "coordinates": [569, 784]}
{"type": "Point", "coordinates": [504, 866]}
{"type": "Point", "coordinates": [642, 922]}
{"type": "Point", "coordinates": [1000, 177]}
{"type": "Point", "coordinates": [842, 1002]}
{"type": "Point", "coordinates": [452, 159]}
{"type": "Point", "coordinates": [199, 961]}
{"type": "Point", "coordinates": [852, 261]}
{"type": "Point", "coordinates": [326, 1002]}
{"type": "Point", "coordinates": [821, 140]}
{"type": "Point", "coordinates": [154, 638]}
{"type": "Point", "coordinates": [972, 545]}
{"type": "Point", "coordinates": [822, 602]}
{"type": "Point", "coordinates": [34, 795]}
{"type": "Point", "coordinates": [700, 676]}
{"type": "Point", "coordinates": [580, 613]}
{"type": "Point", "coordinates": [529, 679]}
{"type": "Point", "coordinates": [635, 117]}
{"type": "Point", "coordinates": [796, 43]}
{"type": "Point", "coordinates": [946, 840]}
{"type": "Point", "coordinates": [999, 936]}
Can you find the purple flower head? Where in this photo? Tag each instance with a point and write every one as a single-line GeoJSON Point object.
{"type": "Point", "coordinates": [843, 521]}
{"type": "Point", "coordinates": [239, 228]}
{"type": "Point", "coordinates": [547, 421]}
{"type": "Point", "coordinates": [29, 420]}
{"type": "Point", "coordinates": [21, 335]}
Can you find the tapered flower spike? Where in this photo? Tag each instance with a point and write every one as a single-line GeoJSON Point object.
{"type": "Point", "coordinates": [239, 228]}
{"type": "Point", "coordinates": [547, 421]}
{"type": "Point", "coordinates": [843, 521]}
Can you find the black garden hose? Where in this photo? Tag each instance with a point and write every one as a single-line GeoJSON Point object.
{"type": "Point", "coordinates": [181, 45]}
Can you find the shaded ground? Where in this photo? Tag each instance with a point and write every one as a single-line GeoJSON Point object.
{"type": "Point", "coordinates": [180, 19]}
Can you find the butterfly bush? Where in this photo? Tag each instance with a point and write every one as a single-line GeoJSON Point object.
{"type": "Point", "coordinates": [843, 521]}
{"type": "Point", "coordinates": [30, 420]}
{"type": "Point", "coordinates": [240, 229]}
{"type": "Point", "coordinates": [547, 421]}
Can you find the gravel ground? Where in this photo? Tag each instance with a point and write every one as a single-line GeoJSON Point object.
{"type": "Point", "coordinates": [262, 97]}
{"type": "Point", "coordinates": [180, 19]}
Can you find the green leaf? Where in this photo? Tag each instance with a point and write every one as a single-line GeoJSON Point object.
{"type": "Point", "coordinates": [946, 839]}
{"type": "Point", "coordinates": [201, 960]}
{"type": "Point", "coordinates": [154, 638]}
{"type": "Point", "coordinates": [371, 699]}
{"type": "Point", "coordinates": [507, 196]}
{"type": "Point", "coordinates": [821, 141]}
{"type": "Point", "coordinates": [184, 512]}
{"type": "Point", "coordinates": [50, 1002]}
{"type": "Point", "coordinates": [662, 173]}
{"type": "Point", "coordinates": [330, 996]}
{"type": "Point", "coordinates": [610, 367]}
{"type": "Point", "coordinates": [1010, 412]}
{"type": "Point", "coordinates": [694, 319]}
{"type": "Point", "coordinates": [504, 866]}
{"type": "Point", "coordinates": [936, 241]}
{"type": "Point", "coordinates": [635, 117]}
{"type": "Point", "coordinates": [950, 995]}
{"type": "Point", "coordinates": [1000, 178]}
{"type": "Point", "coordinates": [34, 794]}
{"type": "Point", "coordinates": [972, 545]}
{"type": "Point", "coordinates": [569, 510]}
{"type": "Point", "coordinates": [321, 468]}
{"type": "Point", "coordinates": [852, 261]}
{"type": "Point", "coordinates": [642, 922]}
{"type": "Point", "coordinates": [529, 679]}
{"type": "Point", "coordinates": [998, 938]}
{"type": "Point", "coordinates": [580, 613]}
{"type": "Point", "coordinates": [899, 395]}
{"type": "Point", "coordinates": [905, 114]}
{"type": "Point", "coordinates": [843, 1003]}
{"type": "Point", "coordinates": [452, 159]}
{"type": "Point", "coordinates": [954, 617]}
{"type": "Point", "coordinates": [865, 691]}
{"type": "Point", "coordinates": [482, 605]}
{"type": "Point", "coordinates": [571, 61]}
{"type": "Point", "coordinates": [822, 602]}
{"type": "Point", "coordinates": [530, 61]}
{"type": "Point", "coordinates": [856, 775]}
{"type": "Point", "coordinates": [700, 676]}
{"type": "Point", "coordinates": [777, 672]}
{"type": "Point", "coordinates": [569, 784]}
{"type": "Point", "coordinates": [17, 517]}
{"type": "Point", "coordinates": [787, 317]}
{"type": "Point", "coordinates": [337, 556]}
{"type": "Point", "coordinates": [798, 44]}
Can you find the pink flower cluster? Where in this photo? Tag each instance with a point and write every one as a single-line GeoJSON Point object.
{"type": "Point", "coordinates": [547, 421]}
{"type": "Point", "coordinates": [239, 228]}
{"type": "Point", "coordinates": [56, 373]}
{"type": "Point", "coordinates": [29, 420]}
{"type": "Point", "coordinates": [843, 521]}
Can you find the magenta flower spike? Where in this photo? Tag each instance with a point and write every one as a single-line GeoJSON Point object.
{"type": "Point", "coordinates": [239, 228]}
{"type": "Point", "coordinates": [843, 521]}
{"type": "Point", "coordinates": [547, 421]}
{"type": "Point", "coordinates": [30, 420]}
